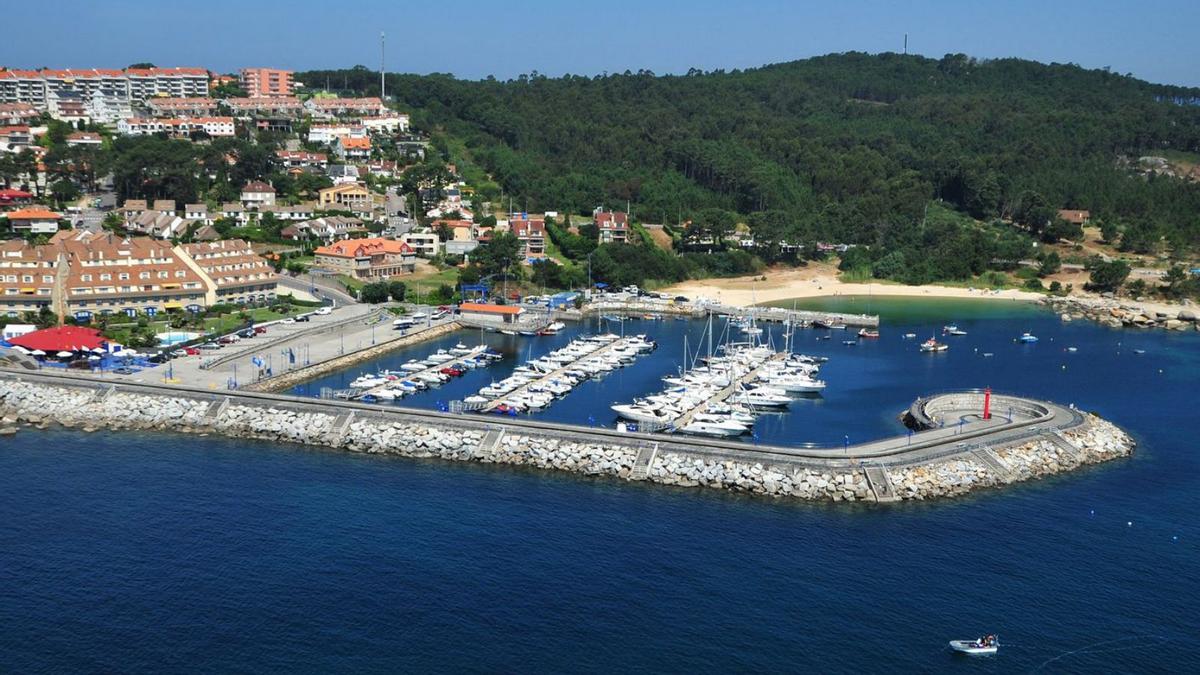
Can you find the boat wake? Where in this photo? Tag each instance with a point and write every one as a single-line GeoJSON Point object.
{"type": "Point", "coordinates": [1135, 642]}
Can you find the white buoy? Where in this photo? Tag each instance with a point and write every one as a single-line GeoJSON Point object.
{"type": "Point", "coordinates": [1129, 524]}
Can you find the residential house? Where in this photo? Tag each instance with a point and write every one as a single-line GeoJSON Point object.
{"type": "Point", "coordinates": [17, 113]}
{"type": "Point", "coordinates": [236, 212]}
{"type": "Point", "coordinates": [329, 133]}
{"type": "Point", "coordinates": [464, 238]}
{"type": "Point", "coordinates": [197, 212]}
{"type": "Point", "coordinates": [532, 234]}
{"type": "Point", "coordinates": [385, 124]}
{"type": "Point", "coordinates": [165, 205]}
{"type": "Point", "coordinates": [426, 243]}
{"type": "Point", "coordinates": [236, 274]}
{"type": "Point", "coordinates": [1075, 216]}
{"type": "Point", "coordinates": [297, 212]}
{"type": "Point", "coordinates": [159, 224]}
{"type": "Point", "coordinates": [299, 159]}
{"type": "Point", "coordinates": [132, 208]}
{"type": "Point", "coordinates": [342, 174]}
{"type": "Point", "coordinates": [34, 219]}
{"type": "Point", "coordinates": [372, 258]}
{"type": "Point", "coordinates": [348, 148]}
{"type": "Point", "coordinates": [350, 197]}
{"type": "Point", "coordinates": [325, 228]}
{"type": "Point", "coordinates": [85, 139]}
{"type": "Point", "coordinates": [384, 168]}
{"type": "Point", "coordinates": [613, 226]}
{"type": "Point", "coordinates": [15, 138]}
{"type": "Point", "coordinates": [256, 194]}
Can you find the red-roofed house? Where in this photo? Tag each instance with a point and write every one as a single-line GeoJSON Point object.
{"type": "Point", "coordinates": [372, 258]}
{"type": "Point", "coordinates": [85, 139]}
{"type": "Point", "coordinates": [1075, 216]}
{"type": "Point", "coordinates": [258, 193]}
{"type": "Point", "coordinates": [349, 147]}
{"type": "Point", "coordinates": [613, 226]}
{"type": "Point", "coordinates": [34, 219]}
{"type": "Point", "coordinates": [532, 233]}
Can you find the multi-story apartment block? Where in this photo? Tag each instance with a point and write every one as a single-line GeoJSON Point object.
{"type": "Point", "coordinates": [43, 88]}
{"type": "Point", "coordinates": [343, 107]}
{"type": "Point", "coordinates": [82, 274]}
{"type": "Point", "coordinates": [199, 106]}
{"type": "Point", "coordinates": [278, 106]}
{"type": "Point", "coordinates": [236, 273]}
{"type": "Point", "coordinates": [266, 82]}
{"type": "Point", "coordinates": [27, 277]}
{"type": "Point", "coordinates": [181, 126]}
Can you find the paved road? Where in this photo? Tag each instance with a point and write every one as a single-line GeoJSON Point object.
{"type": "Point", "coordinates": [325, 288]}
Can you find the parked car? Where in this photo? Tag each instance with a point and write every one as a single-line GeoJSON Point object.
{"type": "Point", "coordinates": [303, 317]}
{"type": "Point", "coordinates": [439, 314]}
{"type": "Point", "coordinates": [289, 320]}
{"type": "Point", "coordinates": [228, 339]}
{"type": "Point", "coordinates": [324, 311]}
{"type": "Point", "coordinates": [159, 357]}
{"type": "Point", "coordinates": [259, 330]}
{"type": "Point", "coordinates": [124, 370]}
{"type": "Point", "coordinates": [209, 346]}
{"type": "Point", "coordinates": [192, 351]}
{"type": "Point", "coordinates": [246, 333]}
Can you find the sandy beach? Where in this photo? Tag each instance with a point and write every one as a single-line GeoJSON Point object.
{"type": "Point", "coordinates": [821, 280]}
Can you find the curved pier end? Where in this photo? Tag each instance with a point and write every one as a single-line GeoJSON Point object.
{"type": "Point", "coordinates": [951, 448]}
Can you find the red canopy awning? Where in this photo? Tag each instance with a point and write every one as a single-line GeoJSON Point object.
{"type": "Point", "coordinates": [63, 338]}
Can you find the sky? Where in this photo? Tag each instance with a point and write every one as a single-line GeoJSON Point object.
{"type": "Point", "coordinates": [1152, 39]}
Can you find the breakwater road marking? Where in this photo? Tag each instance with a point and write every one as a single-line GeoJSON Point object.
{"type": "Point", "coordinates": [643, 463]}
{"type": "Point", "coordinates": [341, 424]}
{"type": "Point", "coordinates": [992, 461]}
{"type": "Point", "coordinates": [215, 409]}
{"type": "Point", "coordinates": [490, 441]}
{"type": "Point", "coordinates": [1063, 444]}
{"type": "Point", "coordinates": [880, 482]}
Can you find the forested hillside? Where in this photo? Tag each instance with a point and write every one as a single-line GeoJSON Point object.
{"type": "Point", "coordinates": [846, 148]}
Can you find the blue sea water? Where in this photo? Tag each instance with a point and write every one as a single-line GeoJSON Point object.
{"type": "Point", "coordinates": [128, 552]}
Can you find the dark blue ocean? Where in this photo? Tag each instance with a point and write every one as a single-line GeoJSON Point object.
{"type": "Point", "coordinates": [124, 552]}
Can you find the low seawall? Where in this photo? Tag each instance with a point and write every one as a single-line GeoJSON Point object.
{"type": "Point", "coordinates": [40, 400]}
{"type": "Point", "coordinates": [285, 381]}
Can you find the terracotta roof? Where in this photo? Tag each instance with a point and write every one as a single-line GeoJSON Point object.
{"type": "Point", "coordinates": [32, 214]}
{"type": "Point", "coordinates": [349, 142]}
{"type": "Point", "coordinates": [489, 309]}
{"type": "Point", "coordinates": [258, 186]}
{"type": "Point", "coordinates": [350, 248]}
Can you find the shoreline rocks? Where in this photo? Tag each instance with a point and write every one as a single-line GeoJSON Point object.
{"type": "Point", "coordinates": [1115, 313]}
{"type": "Point", "coordinates": [90, 409]}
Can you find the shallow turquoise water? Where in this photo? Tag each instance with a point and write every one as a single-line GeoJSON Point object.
{"type": "Point", "coordinates": [165, 553]}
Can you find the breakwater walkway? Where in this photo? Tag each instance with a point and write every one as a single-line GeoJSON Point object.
{"type": "Point", "coordinates": [937, 462]}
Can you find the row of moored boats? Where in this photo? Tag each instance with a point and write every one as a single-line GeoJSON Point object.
{"type": "Point", "coordinates": [420, 374]}
{"type": "Point", "coordinates": [725, 395]}
{"type": "Point", "coordinates": [539, 381]}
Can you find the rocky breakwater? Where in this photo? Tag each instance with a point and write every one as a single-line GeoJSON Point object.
{"type": "Point", "coordinates": [757, 478]}
{"type": "Point", "coordinates": [372, 432]}
{"type": "Point", "coordinates": [1096, 441]}
{"type": "Point", "coordinates": [1116, 313]}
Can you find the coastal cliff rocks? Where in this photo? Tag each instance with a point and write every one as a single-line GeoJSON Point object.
{"type": "Point", "coordinates": [369, 432]}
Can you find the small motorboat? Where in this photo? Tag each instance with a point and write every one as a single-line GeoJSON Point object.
{"type": "Point", "coordinates": [956, 331]}
{"type": "Point", "coordinates": [909, 336]}
{"type": "Point", "coordinates": [986, 645]}
{"type": "Point", "coordinates": [1139, 351]}
{"type": "Point", "coordinates": [1072, 349]}
{"type": "Point", "coordinates": [932, 345]}
{"type": "Point", "coordinates": [849, 343]}
{"type": "Point", "coordinates": [868, 333]}
{"type": "Point", "coordinates": [1027, 338]}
